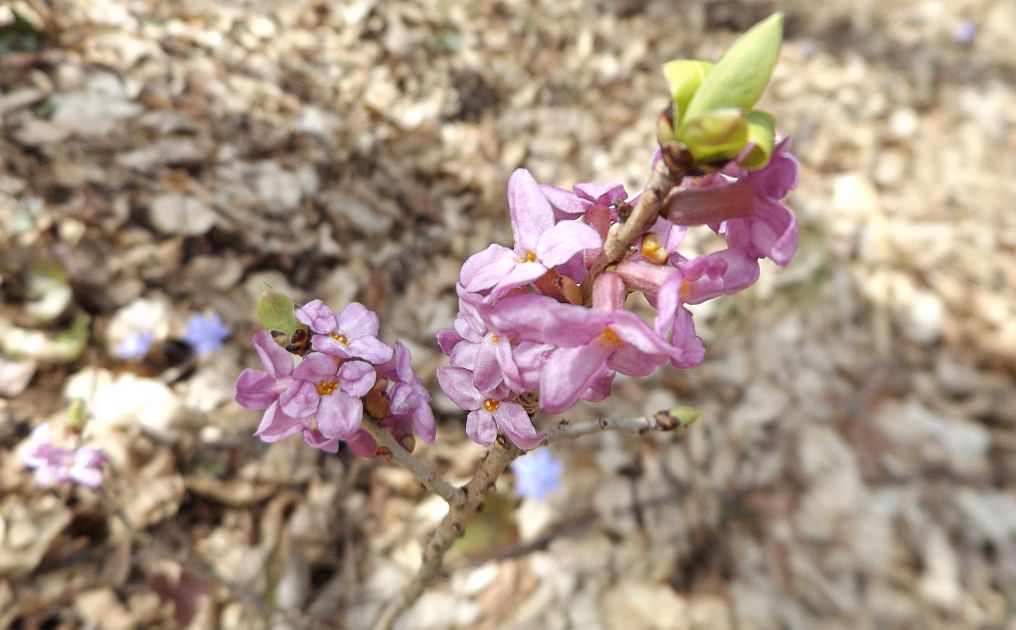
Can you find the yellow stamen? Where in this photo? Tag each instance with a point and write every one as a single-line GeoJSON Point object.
{"type": "Point", "coordinates": [496, 338]}
{"type": "Point", "coordinates": [325, 388]}
{"type": "Point", "coordinates": [529, 257]}
{"type": "Point", "coordinates": [610, 338]}
{"type": "Point", "coordinates": [652, 251]}
{"type": "Point", "coordinates": [491, 405]}
{"type": "Point", "coordinates": [340, 338]}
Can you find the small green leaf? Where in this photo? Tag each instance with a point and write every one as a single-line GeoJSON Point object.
{"type": "Point", "coordinates": [718, 135]}
{"type": "Point", "coordinates": [761, 133]}
{"type": "Point", "coordinates": [276, 310]}
{"type": "Point", "coordinates": [742, 74]}
{"type": "Point", "coordinates": [686, 416]}
{"type": "Point", "coordinates": [684, 76]}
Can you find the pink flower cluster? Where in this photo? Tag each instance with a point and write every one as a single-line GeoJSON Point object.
{"type": "Point", "coordinates": [57, 465]}
{"type": "Point", "coordinates": [522, 326]}
{"type": "Point", "coordinates": [323, 397]}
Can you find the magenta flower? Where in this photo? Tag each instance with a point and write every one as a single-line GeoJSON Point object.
{"type": "Point", "coordinates": [491, 355]}
{"type": "Point", "coordinates": [539, 244]}
{"type": "Point", "coordinates": [488, 412]}
{"type": "Point", "coordinates": [55, 465]}
{"type": "Point", "coordinates": [747, 210]}
{"type": "Point", "coordinates": [332, 396]}
{"type": "Point", "coordinates": [410, 400]}
{"type": "Point", "coordinates": [260, 389]}
{"type": "Point", "coordinates": [352, 334]}
{"type": "Point", "coordinates": [590, 341]}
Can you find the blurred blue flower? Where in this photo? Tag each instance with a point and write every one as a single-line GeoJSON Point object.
{"type": "Point", "coordinates": [205, 333]}
{"type": "Point", "coordinates": [965, 32]}
{"type": "Point", "coordinates": [537, 474]}
{"type": "Point", "coordinates": [135, 346]}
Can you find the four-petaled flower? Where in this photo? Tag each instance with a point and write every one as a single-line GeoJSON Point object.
{"type": "Point", "coordinates": [539, 244]}
{"type": "Point", "coordinates": [55, 465]}
{"type": "Point", "coordinates": [352, 334]}
{"type": "Point", "coordinates": [489, 411]}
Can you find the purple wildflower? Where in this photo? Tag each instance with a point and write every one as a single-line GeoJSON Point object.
{"type": "Point", "coordinates": [537, 474]}
{"type": "Point", "coordinates": [747, 210]}
{"type": "Point", "coordinates": [332, 395]}
{"type": "Point", "coordinates": [539, 244]}
{"type": "Point", "coordinates": [409, 398]}
{"type": "Point", "coordinates": [205, 333]}
{"type": "Point", "coordinates": [352, 334]}
{"type": "Point", "coordinates": [489, 411]}
{"type": "Point", "coordinates": [56, 465]}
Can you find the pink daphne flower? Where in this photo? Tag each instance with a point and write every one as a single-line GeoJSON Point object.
{"type": "Point", "coordinates": [55, 465]}
{"type": "Point", "coordinates": [318, 398]}
{"type": "Point", "coordinates": [593, 343]}
{"type": "Point", "coordinates": [488, 412]}
{"type": "Point", "coordinates": [410, 400]}
{"type": "Point", "coordinates": [540, 244]}
{"type": "Point", "coordinates": [746, 209]}
{"type": "Point", "coordinates": [352, 334]}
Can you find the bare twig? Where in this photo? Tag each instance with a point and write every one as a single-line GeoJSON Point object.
{"type": "Point", "coordinates": [456, 497]}
{"type": "Point", "coordinates": [451, 528]}
{"type": "Point", "coordinates": [660, 422]}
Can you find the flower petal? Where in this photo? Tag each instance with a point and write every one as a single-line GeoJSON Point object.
{"type": "Point", "coordinates": [457, 384]}
{"type": "Point", "coordinates": [568, 372]}
{"type": "Point", "coordinates": [487, 373]}
{"type": "Point", "coordinates": [371, 349]}
{"type": "Point", "coordinates": [255, 389]}
{"type": "Point", "coordinates": [274, 357]}
{"type": "Point", "coordinates": [362, 444]}
{"type": "Point", "coordinates": [317, 315]}
{"type": "Point", "coordinates": [562, 241]}
{"type": "Point", "coordinates": [484, 269]}
{"type": "Point", "coordinates": [521, 275]}
{"type": "Point", "coordinates": [275, 424]}
{"type": "Point", "coordinates": [531, 213]}
{"type": "Point", "coordinates": [356, 378]}
{"type": "Point", "coordinates": [316, 367]}
{"type": "Point", "coordinates": [339, 415]}
{"type": "Point", "coordinates": [480, 427]}
{"type": "Point", "coordinates": [515, 422]}
{"type": "Point", "coordinates": [356, 320]}
{"type": "Point", "coordinates": [300, 399]}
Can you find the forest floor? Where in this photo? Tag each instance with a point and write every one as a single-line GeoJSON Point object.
{"type": "Point", "coordinates": [855, 464]}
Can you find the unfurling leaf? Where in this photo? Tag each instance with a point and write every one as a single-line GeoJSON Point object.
{"type": "Point", "coordinates": [716, 136]}
{"type": "Point", "coordinates": [276, 310]}
{"type": "Point", "coordinates": [761, 134]}
{"type": "Point", "coordinates": [742, 74]}
{"type": "Point", "coordinates": [684, 76]}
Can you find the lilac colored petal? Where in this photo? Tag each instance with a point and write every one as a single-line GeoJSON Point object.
{"type": "Point", "coordinates": [314, 439]}
{"type": "Point", "coordinates": [88, 477]}
{"type": "Point", "coordinates": [316, 367]}
{"type": "Point", "coordinates": [688, 347]}
{"type": "Point", "coordinates": [300, 399]}
{"type": "Point", "coordinates": [639, 275]}
{"type": "Point", "coordinates": [423, 422]}
{"type": "Point", "coordinates": [568, 372]}
{"type": "Point", "coordinates": [484, 269]}
{"type": "Point", "coordinates": [508, 369]}
{"type": "Point", "coordinates": [465, 354]}
{"type": "Point", "coordinates": [512, 418]}
{"type": "Point", "coordinates": [599, 388]}
{"type": "Point", "coordinates": [529, 357]}
{"type": "Point", "coordinates": [480, 427]}
{"type": "Point", "coordinates": [780, 176]}
{"type": "Point", "coordinates": [457, 384]}
{"type": "Point", "coordinates": [339, 415]}
{"type": "Point", "coordinates": [362, 444]}
{"type": "Point", "coordinates": [330, 346]}
{"type": "Point", "coordinates": [771, 232]}
{"type": "Point", "coordinates": [530, 211]}
{"type": "Point", "coordinates": [356, 378]}
{"type": "Point", "coordinates": [565, 202]}
{"type": "Point", "coordinates": [318, 316]}
{"type": "Point", "coordinates": [256, 389]}
{"type": "Point", "coordinates": [356, 321]}
{"type": "Point", "coordinates": [521, 275]}
{"type": "Point", "coordinates": [739, 271]}
{"type": "Point", "coordinates": [447, 340]}
{"type": "Point", "coordinates": [205, 333]}
{"type": "Point", "coordinates": [668, 301]}
{"type": "Point", "coordinates": [703, 206]}
{"type": "Point", "coordinates": [567, 325]}
{"type": "Point", "coordinates": [601, 194]}
{"type": "Point", "coordinates": [559, 243]}
{"type": "Point", "coordinates": [487, 372]}
{"type": "Point", "coordinates": [274, 357]}
{"type": "Point", "coordinates": [371, 349]}
{"type": "Point", "coordinates": [403, 367]}
{"type": "Point", "coordinates": [275, 424]}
